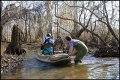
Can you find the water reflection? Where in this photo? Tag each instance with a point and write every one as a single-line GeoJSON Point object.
{"type": "Point", "coordinates": [77, 72]}
{"type": "Point", "coordinates": [106, 68]}
{"type": "Point", "coordinates": [91, 68]}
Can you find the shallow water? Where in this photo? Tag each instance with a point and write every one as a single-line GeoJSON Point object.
{"type": "Point", "coordinates": [91, 68]}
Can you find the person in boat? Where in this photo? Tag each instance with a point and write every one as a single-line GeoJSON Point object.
{"type": "Point", "coordinates": [47, 36]}
{"type": "Point", "coordinates": [77, 48]}
{"type": "Point", "coordinates": [58, 44]}
{"type": "Point", "coordinates": [45, 41]}
{"type": "Point", "coordinates": [48, 45]}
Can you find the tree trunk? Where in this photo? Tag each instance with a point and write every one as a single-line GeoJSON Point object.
{"type": "Point", "coordinates": [1, 27]}
{"type": "Point", "coordinates": [15, 46]}
{"type": "Point", "coordinates": [49, 16]}
{"type": "Point", "coordinates": [108, 24]}
{"type": "Point", "coordinates": [75, 18]}
{"type": "Point", "coordinates": [29, 30]}
{"type": "Point", "coordinates": [40, 29]}
{"type": "Point", "coordinates": [26, 28]}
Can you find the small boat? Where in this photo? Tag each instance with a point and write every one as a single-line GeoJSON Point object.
{"type": "Point", "coordinates": [55, 59]}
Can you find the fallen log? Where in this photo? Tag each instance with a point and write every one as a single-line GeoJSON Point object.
{"type": "Point", "coordinates": [107, 52]}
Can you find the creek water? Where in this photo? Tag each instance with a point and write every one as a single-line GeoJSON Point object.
{"type": "Point", "coordinates": [91, 68]}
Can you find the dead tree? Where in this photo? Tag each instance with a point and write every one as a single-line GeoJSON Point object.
{"type": "Point", "coordinates": [16, 40]}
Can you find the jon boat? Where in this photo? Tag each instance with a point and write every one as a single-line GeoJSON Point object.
{"type": "Point", "coordinates": [55, 59]}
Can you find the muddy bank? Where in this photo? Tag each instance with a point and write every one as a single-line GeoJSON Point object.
{"type": "Point", "coordinates": [107, 52]}
{"type": "Point", "coordinates": [11, 62]}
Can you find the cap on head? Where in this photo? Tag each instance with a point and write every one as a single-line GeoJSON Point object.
{"type": "Point", "coordinates": [68, 38]}
{"type": "Point", "coordinates": [48, 34]}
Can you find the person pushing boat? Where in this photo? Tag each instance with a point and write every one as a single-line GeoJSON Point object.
{"type": "Point", "coordinates": [77, 48]}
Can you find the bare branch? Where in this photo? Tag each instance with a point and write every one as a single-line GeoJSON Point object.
{"type": "Point", "coordinates": [84, 28]}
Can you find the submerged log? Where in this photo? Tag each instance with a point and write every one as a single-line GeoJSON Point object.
{"type": "Point", "coordinates": [15, 45]}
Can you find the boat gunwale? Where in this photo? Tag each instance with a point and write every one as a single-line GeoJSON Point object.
{"type": "Point", "coordinates": [53, 61]}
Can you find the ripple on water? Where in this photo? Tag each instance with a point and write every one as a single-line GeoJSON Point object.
{"type": "Point", "coordinates": [91, 68]}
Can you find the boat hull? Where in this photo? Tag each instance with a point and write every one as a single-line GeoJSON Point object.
{"type": "Point", "coordinates": [59, 62]}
